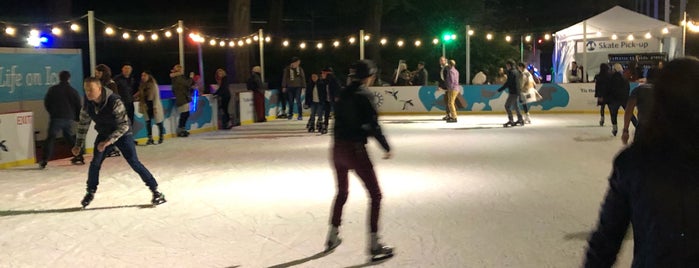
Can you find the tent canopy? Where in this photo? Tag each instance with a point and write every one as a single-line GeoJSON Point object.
{"type": "Point", "coordinates": [615, 21]}
{"type": "Point", "coordinates": [619, 21]}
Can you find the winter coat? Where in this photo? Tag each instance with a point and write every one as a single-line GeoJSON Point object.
{"type": "Point", "coordinates": [149, 91]}
{"type": "Point", "coordinates": [62, 102]}
{"type": "Point", "coordinates": [294, 78]}
{"type": "Point", "coordinates": [126, 87]}
{"type": "Point", "coordinates": [619, 89]}
{"type": "Point", "coordinates": [255, 83]}
{"type": "Point", "coordinates": [512, 84]}
{"type": "Point", "coordinates": [356, 117]}
{"type": "Point", "coordinates": [334, 87]}
{"type": "Point", "coordinates": [182, 89]}
{"type": "Point", "coordinates": [602, 86]}
{"type": "Point", "coordinates": [109, 116]}
{"type": "Point", "coordinates": [223, 91]}
{"type": "Point", "coordinates": [656, 190]}
{"type": "Point", "coordinates": [322, 92]}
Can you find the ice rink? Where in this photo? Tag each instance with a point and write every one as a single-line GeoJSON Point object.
{"type": "Point", "coordinates": [470, 194]}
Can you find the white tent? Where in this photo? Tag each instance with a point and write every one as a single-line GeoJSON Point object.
{"type": "Point", "coordinates": [615, 31]}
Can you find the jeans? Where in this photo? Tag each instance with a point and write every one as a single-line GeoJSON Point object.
{"type": "Point", "coordinates": [353, 155]}
{"type": "Point", "coordinates": [56, 125]}
{"type": "Point", "coordinates": [294, 94]}
{"type": "Point", "coordinates": [316, 110]}
{"type": "Point", "coordinates": [128, 151]}
{"type": "Point", "coordinates": [225, 115]}
{"type": "Point", "coordinates": [512, 102]}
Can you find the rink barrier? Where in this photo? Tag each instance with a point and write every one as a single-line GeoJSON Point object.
{"type": "Point", "coordinates": [17, 139]}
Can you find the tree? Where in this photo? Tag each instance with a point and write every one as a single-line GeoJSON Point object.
{"type": "Point", "coordinates": [238, 60]}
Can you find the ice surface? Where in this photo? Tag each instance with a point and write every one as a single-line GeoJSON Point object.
{"type": "Point", "coordinates": [470, 194]}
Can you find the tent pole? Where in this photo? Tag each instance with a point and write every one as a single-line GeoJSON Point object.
{"type": "Point", "coordinates": [584, 65]}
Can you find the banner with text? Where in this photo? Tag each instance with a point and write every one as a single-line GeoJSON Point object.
{"type": "Point", "coordinates": [26, 74]}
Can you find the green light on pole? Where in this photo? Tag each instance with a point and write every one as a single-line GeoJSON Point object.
{"type": "Point", "coordinates": [447, 38]}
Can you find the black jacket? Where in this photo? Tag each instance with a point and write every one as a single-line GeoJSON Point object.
{"type": "Point", "coordinates": [356, 117]}
{"type": "Point", "coordinates": [223, 91]}
{"type": "Point", "coordinates": [657, 191]}
{"type": "Point", "coordinates": [334, 87]}
{"type": "Point", "coordinates": [126, 87]}
{"type": "Point", "coordinates": [62, 102]}
{"type": "Point", "coordinates": [602, 85]}
{"type": "Point", "coordinates": [322, 92]}
{"type": "Point", "coordinates": [513, 75]}
{"type": "Point", "coordinates": [254, 83]}
{"type": "Point", "coordinates": [618, 90]}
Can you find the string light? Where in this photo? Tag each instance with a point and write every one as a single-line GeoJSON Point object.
{"type": "Point", "coordinates": [489, 36]}
{"type": "Point", "coordinates": [302, 45]}
{"type": "Point", "coordinates": [418, 43]}
{"type": "Point", "coordinates": [508, 38]}
{"type": "Point", "coordinates": [285, 43]}
{"type": "Point", "coordinates": [75, 27]}
{"type": "Point", "coordinates": [648, 35]}
{"type": "Point", "coordinates": [179, 30]}
{"type": "Point", "coordinates": [109, 31]}
{"type": "Point", "coordinates": [470, 32]}
{"type": "Point", "coordinates": [56, 31]}
{"type": "Point", "coordinates": [614, 37]}
{"type": "Point", "coordinates": [212, 42]}
{"type": "Point", "coordinates": [400, 43]}
{"type": "Point", "coordinates": [240, 43]}
{"type": "Point", "coordinates": [249, 41]}
{"type": "Point", "coordinates": [268, 39]}
{"type": "Point", "coordinates": [222, 43]}
{"type": "Point", "coordinates": [319, 45]}
{"type": "Point", "coordinates": [383, 41]}
{"type": "Point", "coordinates": [154, 37]}
{"type": "Point", "coordinates": [336, 43]}
{"type": "Point", "coordinates": [10, 31]}
{"type": "Point", "coordinates": [168, 34]}
{"type": "Point", "coordinates": [435, 41]}
{"type": "Point", "coordinates": [141, 37]}
{"type": "Point", "coordinates": [366, 37]}
{"type": "Point", "coordinates": [599, 34]}
{"type": "Point", "coordinates": [256, 38]}
{"type": "Point", "coordinates": [665, 30]}
{"type": "Point", "coordinates": [547, 37]}
{"type": "Point", "coordinates": [352, 40]}
{"type": "Point", "coordinates": [126, 36]}
{"type": "Point", "coordinates": [630, 37]}
{"type": "Point", "coordinates": [231, 44]}
{"type": "Point", "coordinates": [528, 38]}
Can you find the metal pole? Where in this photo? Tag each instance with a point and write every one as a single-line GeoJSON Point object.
{"type": "Point", "coordinates": [667, 11]}
{"type": "Point", "coordinates": [91, 41]}
{"type": "Point", "coordinates": [361, 44]}
{"type": "Point", "coordinates": [684, 33]}
{"type": "Point", "coordinates": [521, 48]}
{"type": "Point", "coordinates": [261, 40]}
{"type": "Point", "coordinates": [201, 69]}
{"type": "Point", "coordinates": [468, 55]}
{"type": "Point", "coordinates": [584, 63]}
{"type": "Point", "coordinates": [180, 33]}
{"type": "Point", "coordinates": [444, 50]}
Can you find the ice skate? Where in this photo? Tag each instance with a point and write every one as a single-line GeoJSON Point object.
{"type": "Point", "coordinates": [378, 251]}
{"type": "Point", "coordinates": [150, 141]}
{"type": "Point", "coordinates": [77, 160]}
{"type": "Point", "coordinates": [42, 164]}
{"type": "Point", "coordinates": [527, 119]}
{"type": "Point", "coordinates": [451, 120]}
{"type": "Point", "coordinates": [158, 198]}
{"type": "Point", "coordinates": [614, 130]}
{"type": "Point", "coordinates": [519, 123]}
{"type": "Point", "coordinates": [114, 152]}
{"type": "Point", "coordinates": [88, 198]}
{"type": "Point", "coordinates": [333, 240]}
{"type": "Point", "coordinates": [509, 124]}
{"type": "Point", "coordinates": [161, 139]}
{"type": "Point", "coordinates": [601, 121]}
{"type": "Point", "coordinates": [324, 130]}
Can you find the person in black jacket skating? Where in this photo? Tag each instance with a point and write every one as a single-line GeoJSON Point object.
{"type": "Point", "coordinates": [356, 119]}
{"type": "Point", "coordinates": [316, 96]}
{"type": "Point", "coordinates": [618, 96]}
{"type": "Point", "coordinates": [333, 89]}
{"type": "Point", "coordinates": [654, 184]}
{"type": "Point", "coordinates": [63, 104]}
{"type": "Point", "coordinates": [512, 84]}
{"type": "Point", "coordinates": [602, 86]}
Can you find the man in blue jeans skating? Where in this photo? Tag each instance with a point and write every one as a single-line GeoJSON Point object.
{"type": "Point", "coordinates": [105, 108]}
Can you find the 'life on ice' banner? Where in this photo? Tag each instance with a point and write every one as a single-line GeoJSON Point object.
{"type": "Point", "coordinates": [26, 74]}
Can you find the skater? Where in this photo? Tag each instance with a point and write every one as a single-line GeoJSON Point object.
{"type": "Point", "coordinates": [527, 86]}
{"type": "Point", "coordinates": [602, 87]}
{"type": "Point", "coordinates": [316, 94]}
{"type": "Point", "coordinates": [224, 98]}
{"type": "Point", "coordinates": [641, 98]}
{"type": "Point", "coordinates": [149, 95]}
{"type": "Point", "coordinates": [182, 89]}
{"type": "Point", "coordinates": [618, 96]}
{"type": "Point", "coordinates": [333, 88]}
{"type": "Point", "coordinates": [356, 118]}
{"type": "Point", "coordinates": [104, 74]}
{"type": "Point", "coordinates": [63, 104]}
{"type": "Point", "coordinates": [255, 85]}
{"type": "Point", "coordinates": [105, 108]}
{"type": "Point", "coordinates": [452, 83]}
{"type": "Point", "coordinates": [442, 82]}
{"type": "Point", "coordinates": [127, 86]}
{"type": "Point", "coordinates": [293, 82]}
{"type": "Point", "coordinates": [654, 185]}
{"type": "Point", "coordinates": [512, 84]}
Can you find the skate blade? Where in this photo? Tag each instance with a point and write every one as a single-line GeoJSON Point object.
{"type": "Point", "coordinates": [159, 202]}
{"type": "Point", "coordinates": [381, 257]}
{"type": "Point", "coordinates": [329, 247]}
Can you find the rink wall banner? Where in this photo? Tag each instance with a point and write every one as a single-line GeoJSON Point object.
{"type": "Point", "coordinates": [26, 74]}
{"type": "Point", "coordinates": [484, 98]}
{"type": "Point", "coordinates": [16, 139]}
{"type": "Point", "coordinates": [247, 109]}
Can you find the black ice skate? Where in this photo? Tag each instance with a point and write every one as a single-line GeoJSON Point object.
{"type": "Point", "coordinates": [158, 198]}
{"type": "Point", "coordinates": [509, 124]}
{"type": "Point", "coordinates": [88, 198]}
{"type": "Point", "coordinates": [324, 130]}
{"type": "Point", "coordinates": [519, 123]}
{"type": "Point", "coordinates": [113, 152]}
{"type": "Point", "coordinates": [380, 252]}
{"type": "Point", "coordinates": [77, 160]}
